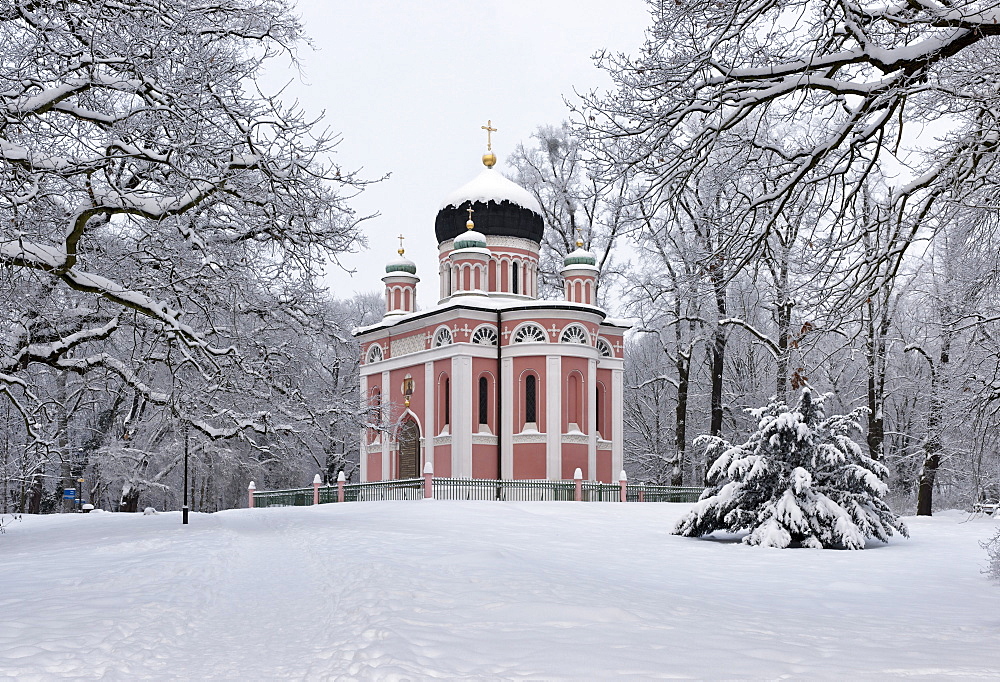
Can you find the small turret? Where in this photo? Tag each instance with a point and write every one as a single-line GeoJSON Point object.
{"type": "Point", "coordinates": [580, 275]}
{"type": "Point", "coordinates": [400, 284]}
{"type": "Point", "coordinates": [470, 260]}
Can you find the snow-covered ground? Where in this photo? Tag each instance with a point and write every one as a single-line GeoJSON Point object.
{"type": "Point", "coordinates": [466, 590]}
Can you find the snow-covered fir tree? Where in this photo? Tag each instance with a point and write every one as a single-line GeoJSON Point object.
{"type": "Point", "coordinates": [992, 547]}
{"type": "Point", "coordinates": [799, 478]}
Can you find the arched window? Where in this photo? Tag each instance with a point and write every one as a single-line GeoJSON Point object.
{"type": "Point", "coordinates": [600, 401]}
{"type": "Point", "coordinates": [530, 333]}
{"type": "Point", "coordinates": [442, 337]}
{"type": "Point", "coordinates": [485, 336]}
{"type": "Point", "coordinates": [573, 400]}
{"type": "Point", "coordinates": [574, 333]}
{"type": "Point", "coordinates": [374, 413]}
{"type": "Point", "coordinates": [374, 354]}
{"type": "Point", "coordinates": [514, 278]}
{"type": "Point", "coordinates": [447, 401]}
{"type": "Point", "coordinates": [530, 398]}
{"type": "Point", "coordinates": [484, 400]}
{"type": "Point", "coordinates": [605, 348]}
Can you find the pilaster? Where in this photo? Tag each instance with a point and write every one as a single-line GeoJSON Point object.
{"type": "Point", "coordinates": [507, 418]}
{"type": "Point", "coordinates": [617, 421]}
{"type": "Point", "coordinates": [461, 415]}
{"type": "Point", "coordinates": [386, 413]}
{"type": "Point", "coordinates": [591, 389]}
{"type": "Point", "coordinates": [553, 416]}
{"type": "Point", "coordinates": [429, 421]}
{"type": "Point", "coordinates": [364, 431]}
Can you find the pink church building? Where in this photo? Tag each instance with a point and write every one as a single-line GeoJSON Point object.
{"type": "Point", "coordinates": [492, 382]}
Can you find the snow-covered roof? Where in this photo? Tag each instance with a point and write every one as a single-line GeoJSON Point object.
{"type": "Point", "coordinates": [580, 256]}
{"type": "Point", "coordinates": [401, 265]}
{"type": "Point", "coordinates": [470, 238]}
{"type": "Point", "coordinates": [484, 303]}
{"type": "Point", "coordinates": [491, 185]}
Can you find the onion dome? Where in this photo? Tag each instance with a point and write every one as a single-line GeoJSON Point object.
{"type": "Point", "coordinates": [470, 239]}
{"type": "Point", "coordinates": [502, 208]}
{"type": "Point", "coordinates": [401, 265]}
{"type": "Point", "coordinates": [579, 256]}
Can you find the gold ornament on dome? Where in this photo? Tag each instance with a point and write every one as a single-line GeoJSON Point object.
{"type": "Point", "coordinates": [469, 224]}
{"type": "Point", "coordinates": [489, 158]}
{"type": "Point", "coordinates": [400, 251]}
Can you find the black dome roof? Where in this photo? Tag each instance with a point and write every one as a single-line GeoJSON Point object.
{"type": "Point", "coordinates": [491, 218]}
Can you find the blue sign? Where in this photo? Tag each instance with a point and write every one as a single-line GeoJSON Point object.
{"type": "Point", "coordinates": [69, 494]}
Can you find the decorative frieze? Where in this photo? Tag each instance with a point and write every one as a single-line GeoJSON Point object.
{"type": "Point", "coordinates": [603, 444]}
{"type": "Point", "coordinates": [533, 437]}
{"type": "Point", "coordinates": [409, 344]}
{"type": "Point", "coordinates": [483, 439]}
{"type": "Point", "coordinates": [576, 438]}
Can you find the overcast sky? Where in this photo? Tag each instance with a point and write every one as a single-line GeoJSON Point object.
{"type": "Point", "coordinates": [408, 85]}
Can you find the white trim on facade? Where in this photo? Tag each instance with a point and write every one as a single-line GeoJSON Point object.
{"type": "Point", "coordinates": [429, 414]}
{"type": "Point", "coordinates": [363, 399]}
{"type": "Point", "coordinates": [461, 416]}
{"type": "Point", "coordinates": [386, 388]}
{"type": "Point", "coordinates": [553, 416]}
{"type": "Point", "coordinates": [507, 418]}
{"type": "Point", "coordinates": [617, 421]}
{"type": "Point", "coordinates": [592, 419]}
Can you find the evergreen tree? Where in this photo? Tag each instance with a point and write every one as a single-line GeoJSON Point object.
{"type": "Point", "coordinates": [799, 478]}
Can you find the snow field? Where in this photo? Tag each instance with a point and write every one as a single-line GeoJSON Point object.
{"type": "Point", "coordinates": [474, 590]}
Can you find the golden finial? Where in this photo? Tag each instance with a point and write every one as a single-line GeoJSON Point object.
{"type": "Point", "coordinates": [470, 225]}
{"type": "Point", "coordinates": [401, 250]}
{"type": "Point", "coordinates": [579, 238]}
{"type": "Point", "coordinates": [489, 158]}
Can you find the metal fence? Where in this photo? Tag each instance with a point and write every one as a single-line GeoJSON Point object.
{"type": "Point", "coordinates": [507, 491]}
{"type": "Point", "coordinates": [477, 489]}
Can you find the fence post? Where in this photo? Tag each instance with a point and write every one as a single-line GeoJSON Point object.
{"type": "Point", "coordinates": [428, 481]}
{"type": "Point", "coordinates": [578, 480]}
{"type": "Point", "coordinates": [623, 484]}
{"type": "Point", "coordinates": [340, 487]}
{"type": "Point", "coordinates": [250, 489]}
{"type": "Point", "coordinates": [642, 495]}
{"type": "Point", "coordinates": [316, 483]}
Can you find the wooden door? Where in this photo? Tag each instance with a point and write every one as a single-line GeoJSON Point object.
{"type": "Point", "coordinates": [409, 449]}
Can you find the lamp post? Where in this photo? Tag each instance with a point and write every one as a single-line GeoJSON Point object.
{"type": "Point", "coordinates": [184, 509]}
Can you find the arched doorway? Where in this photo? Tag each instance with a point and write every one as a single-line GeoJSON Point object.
{"type": "Point", "coordinates": [409, 449]}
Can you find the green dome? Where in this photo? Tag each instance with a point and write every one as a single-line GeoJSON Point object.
{"type": "Point", "coordinates": [580, 257]}
{"type": "Point", "coordinates": [401, 265]}
{"type": "Point", "coordinates": [470, 240]}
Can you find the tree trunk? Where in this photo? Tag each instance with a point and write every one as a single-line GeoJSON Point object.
{"type": "Point", "coordinates": [718, 352]}
{"type": "Point", "coordinates": [62, 441]}
{"type": "Point", "coordinates": [130, 499]}
{"type": "Point", "coordinates": [680, 431]}
{"type": "Point", "coordinates": [933, 442]}
{"type": "Point", "coordinates": [875, 357]}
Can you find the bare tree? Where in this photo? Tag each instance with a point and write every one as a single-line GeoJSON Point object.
{"type": "Point", "coordinates": [149, 189]}
{"type": "Point", "coordinates": [574, 205]}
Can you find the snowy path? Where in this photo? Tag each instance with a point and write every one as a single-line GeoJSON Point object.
{"type": "Point", "coordinates": [453, 590]}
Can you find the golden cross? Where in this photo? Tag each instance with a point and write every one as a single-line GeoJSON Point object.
{"type": "Point", "coordinates": [471, 211]}
{"type": "Point", "coordinates": [401, 238]}
{"type": "Point", "coordinates": [489, 130]}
